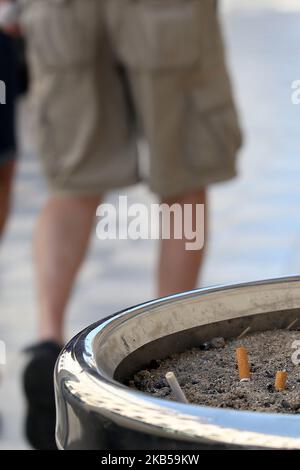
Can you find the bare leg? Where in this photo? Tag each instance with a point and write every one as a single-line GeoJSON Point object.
{"type": "Point", "coordinates": [178, 267]}
{"type": "Point", "coordinates": [61, 242]}
{"type": "Point", "coordinates": [6, 178]}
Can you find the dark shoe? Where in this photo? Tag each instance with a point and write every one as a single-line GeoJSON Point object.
{"type": "Point", "coordinates": [39, 392]}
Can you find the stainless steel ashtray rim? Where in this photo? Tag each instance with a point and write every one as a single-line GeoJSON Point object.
{"type": "Point", "coordinates": [95, 386]}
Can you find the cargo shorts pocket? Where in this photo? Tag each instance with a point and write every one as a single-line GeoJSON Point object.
{"type": "Point", "coordinates": [155, 34]}
{"type": "Point", "coordinates": [213, 137]}
{"type": "Point", "coordinates": [61, 33]}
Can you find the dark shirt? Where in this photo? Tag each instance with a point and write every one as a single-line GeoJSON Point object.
{"type": "Point", "coordinates": [7, 111]}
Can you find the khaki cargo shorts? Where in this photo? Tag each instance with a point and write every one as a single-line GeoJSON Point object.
{"type": "Point", "coordinates": [108, 74]}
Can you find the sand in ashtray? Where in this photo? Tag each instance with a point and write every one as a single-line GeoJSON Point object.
{"type": "Point", "coordinates": [209, 376]}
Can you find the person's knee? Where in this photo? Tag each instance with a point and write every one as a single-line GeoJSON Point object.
{"type": "Point", "coordinates": [6, 177]}
{"type": "Point", "coordinates": [192, 196]}
{"type": "Point", "coordinates": [70, 203]}
{"type": "Point", "coordinates": [6, 174]}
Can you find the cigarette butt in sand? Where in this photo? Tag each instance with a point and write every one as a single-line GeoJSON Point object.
{"type": "Point", "coordinates": [175, 387]}
{"type": "Point", "coordinates": [246, 330]}
{"type": "Point", "coordinates": [293, 323]}
{"type": "Point", "coordinates": [243, 364]}
{"type": "Point", "coordinates": [280, 381]}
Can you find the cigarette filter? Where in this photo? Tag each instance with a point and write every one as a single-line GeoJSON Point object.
{"type": "Point", "coordinates": [280, 381]}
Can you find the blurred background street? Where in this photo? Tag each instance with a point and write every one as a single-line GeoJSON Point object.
{"type": "Point", "coordinates": [255, 219]}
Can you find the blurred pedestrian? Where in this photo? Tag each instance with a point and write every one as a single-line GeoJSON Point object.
{"type": "Point", "coordinates": [175, 79]}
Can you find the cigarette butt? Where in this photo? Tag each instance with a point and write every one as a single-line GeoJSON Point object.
{"type": "Point", "coordinates": [243, 364]}
{"type": "Point", "coordinates": [175, 387]}
{"type": "Point", "coordinates": [244, 332]}
{"type": "Point", "coordinates": [280, 381]}
{"type": "Point", "coordinates": [292, 324]}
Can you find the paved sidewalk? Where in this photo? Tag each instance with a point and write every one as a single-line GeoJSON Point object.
{"type": "Point", "coordinates": [255, 220]}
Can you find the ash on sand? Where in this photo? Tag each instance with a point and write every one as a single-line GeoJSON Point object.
{"type": "Point", "coordinates": [209, 376]}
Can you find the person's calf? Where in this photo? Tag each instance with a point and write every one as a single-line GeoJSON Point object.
{"type": "Point", "coordinates": [60, 245]}
{"type": "Point", "coordinates": [179, 267]}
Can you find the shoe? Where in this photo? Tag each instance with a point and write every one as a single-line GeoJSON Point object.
{"type": "Point", "coordinates": [38, 381]}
